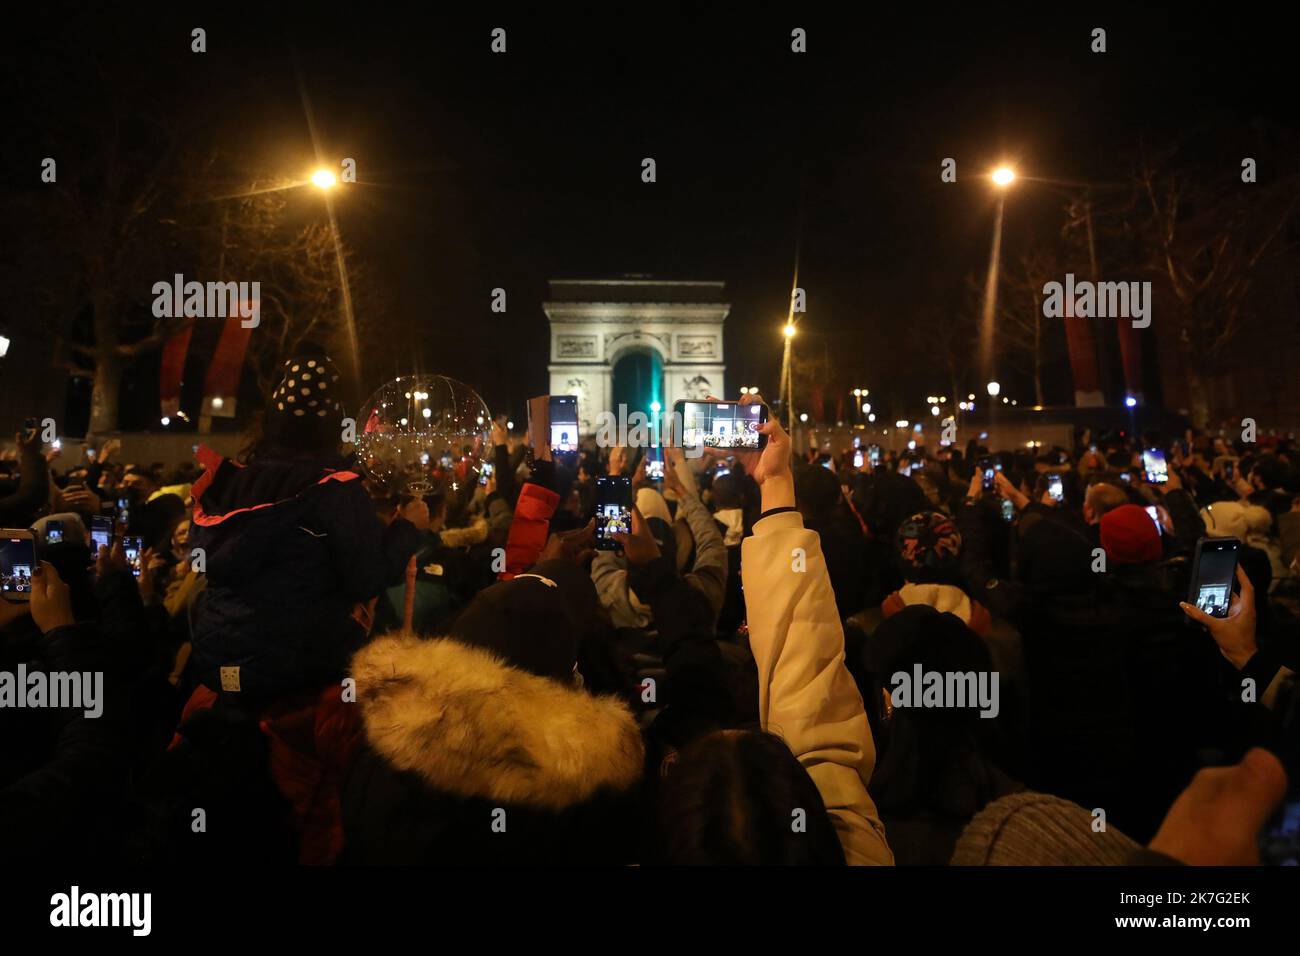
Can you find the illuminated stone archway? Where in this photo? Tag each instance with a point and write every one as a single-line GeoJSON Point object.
{"type": "Point", "coordinates": [595, 323]}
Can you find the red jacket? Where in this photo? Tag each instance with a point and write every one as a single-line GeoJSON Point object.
{"type": "Point", "coordinates": [529, 529]}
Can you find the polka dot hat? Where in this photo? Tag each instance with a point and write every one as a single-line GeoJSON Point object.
{"type": "Point", "coordinates": [309, 389]}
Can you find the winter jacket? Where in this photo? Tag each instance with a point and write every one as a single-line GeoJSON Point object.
{"type": "Point", "coordinates": [291, 547]}
{"type": "Point", "coordinates": [467, 760]}
{"type": "Point", "coordinates": [529, 529]}
{"type": "Point", "coordinates": [805, 693]}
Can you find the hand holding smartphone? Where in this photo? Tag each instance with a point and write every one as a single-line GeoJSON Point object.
{"type": "Point", "coordinates": [613, 510]}
{"type": "Point", "coordinates": [17, 562]}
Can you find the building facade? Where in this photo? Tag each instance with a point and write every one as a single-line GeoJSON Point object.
{"type": "Point", "coordinates": [635, 341]}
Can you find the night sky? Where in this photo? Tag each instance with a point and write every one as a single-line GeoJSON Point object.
{"type": "Point", "coordinates": [480, 170]}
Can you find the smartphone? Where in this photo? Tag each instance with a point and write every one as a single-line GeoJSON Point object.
{"type": "Point", "coordinates": [1228, 464]}
{"type": "Point", "coordinates": [654, 463]}
{"type": "Point", "coordinates": [17, 562]}
{"type": "Point", "coordinates": [873, 452]}
{"type": "Point", "coordinates": [562, 411]}
{"type": "Point", "coordinates": [101, 531]}
{"type": "Point", "coordinates": [1213, 571]}
{"type": "Point", "coordinates": [1157, 469]}
{"type": "Point", "coordinates": [905, 466]}
{"type": "Point", "coordinates": [1008, 510]}
{"type": "Point", "coordinates": [613, 510]}
{"type": "Point", "coordinates": [133, 545]}
{"type": "Point", "coordinates": [726, 425]}
{"type": "Point", "coordinates": [858, 458]}
{"type": "Point", "coordinates": [990, 469]}
{"type": "Point", "coordinates": [1154, 512]}
{"type": "Point", "coordinates": [124, 511]}
{"type": "Point", "coordinates": [29, 427]}
{"type": "Point", "coordinates": [53, 531]}
{"type": "Point", "coordinates": [828, 464]}
{"type": "Point", "coordinates": [1056, 487]}
{"type": "Point", "coordinates": [90, 454]}
{"type": "Point", "coordinates": [1125, 477]}
{"type": "Point", "coordinates": [484, 472]}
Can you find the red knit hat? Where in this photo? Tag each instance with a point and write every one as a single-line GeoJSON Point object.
{"type": "Point", "coordinates": [1129, 536]}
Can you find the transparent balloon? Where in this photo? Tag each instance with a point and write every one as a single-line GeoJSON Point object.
{"type": "Point", "coordinates": [423, 433]}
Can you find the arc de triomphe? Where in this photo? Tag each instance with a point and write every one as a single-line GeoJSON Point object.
{"type": "Point", "coordinates": [598, 323]}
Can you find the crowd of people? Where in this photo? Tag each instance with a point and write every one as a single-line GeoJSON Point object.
{"type": "Point", "coordinates": [303, 665]}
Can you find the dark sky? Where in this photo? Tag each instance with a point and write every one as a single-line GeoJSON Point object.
{"type": "Point", "coordinates": [482, 170]}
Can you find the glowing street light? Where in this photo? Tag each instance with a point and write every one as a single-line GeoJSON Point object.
{"type": "Point", "coordinates": [866, 406]}
{"type": "Point", "coordinates": [1003, 176]}
{"type": "Point", "coordinates": [803, 416]}
{"type": "Point", "coordinates": [994, 388]}
{"type": "Point", "coordinates": [789, 330]}
{"type": "Point", "coordinates": [1130, 401]}
{"type": "Point", "coordinates": [871, 417]}
{"type": "Point", "coordinates": [934, 410]}
{"type": "Point", "coordinates": [323, 179]}
{"type": "Point", "coordinates": [656, 407]}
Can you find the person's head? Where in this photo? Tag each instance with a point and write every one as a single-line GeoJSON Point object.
{"type": "Point", "coordinates": [740, 798]}
{"type": "Point", "coordinates": [1129, 536]}
{"type": "Point", "coordinates": [816, 493]}
{"type": "Point", "coordinates": [181, 538]}
{"type": "Point", "coordinates": [139, 483]}
{"type": "Point", "coordinates": [728, 492]}
{"type": "Point", "coordinates": [929, 546]}
{"type": "Point", "coordinates": [304, 415]}
{"type": "Point", "coordinates": [1267, 473]}
{"type": "Point", "coordinates": [1100, 499]}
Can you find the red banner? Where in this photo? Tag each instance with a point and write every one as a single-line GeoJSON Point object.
{"type": "Point", "coordinates": [1130, 349]}
{"type": "Point", "coordinates": [173, 367]}
{"type": "Point", "coordinates": [1083, 359]}
{"type": "Point", "coordinates": [221, 387]}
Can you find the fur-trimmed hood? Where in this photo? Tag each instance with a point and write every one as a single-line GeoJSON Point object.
{"type": "Point", "coordinates": [471, 725]}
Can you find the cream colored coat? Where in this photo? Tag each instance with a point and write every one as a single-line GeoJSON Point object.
{"type": "Point", "coordinates": [805, 693]}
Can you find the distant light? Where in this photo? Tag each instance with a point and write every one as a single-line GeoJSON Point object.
{"type": "Point", "coordinates": [428, 413]}
{"type": "Point", "coordinates": [871, 417]}
{"type": "Point", "coordinates": [961, 406]}
{"type": "Point", "coordinates": [901, 423]}
{"type": "Point", "coordinates": [166, 421]}
{"type": "Point", "coordinates": [934, 410]}
{"type": "Point", "coordinates": [1005, 400]}
{"type": "Point", "coordinates": [803, 416]}
{"type": "Point", "coordinates": [943, 399]}
{"type": "Point", "coordinates": [1014, 402]}
{"type": "Point", "coordinates": [323, 179]}
{"type": "Point", "coordinates": [744, 391]}
{"type": "Point", "coordinates": [403, 422]}
{"type": "Point", "coordinates": [1003, 176]}
{"type": "Point", "coordinates": [510, 426]}
{"type": "Point", "coordinates": [1131, 402]}
{"type": "Point", "coordinates": [984, 436]}
{"type": "Point", "coordinates": [866, 406]}
{"type": "Point", "coordinates": [993, 388]}
{"type": "Point", "coordinates": [970, 397]}
{"type": "Point", "coordinates": [857, 393]}
{"type": "Point", "coordinates": [911, 446]}
{"type": "Point", "coordinates": [917, 428]}
{"type": "Point", "coordinates": [218, 402]}
{"type": "Point", "coordinates": [56, 444]}
{"type": "Point", "coordinates": [789, 330]}
{"type": "Point", "coordinates": [657, 408]}
{"type": "Point", "coordinates": [479, 420]}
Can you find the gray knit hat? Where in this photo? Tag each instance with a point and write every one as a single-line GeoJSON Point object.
{"type": "Point", "coordinates": [1037, 829]}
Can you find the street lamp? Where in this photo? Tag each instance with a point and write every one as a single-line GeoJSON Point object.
{"type": "Point", "coordinates": [323, 179]}
{"type": "Point", "coordinates": [1003, 176]}
{"type": "Point", "coordinates": [803, 416]}
{"type": "Point", "coordinates": [789, 330]}
{"type": "Point", "coordinates": [866, 406]}
{"type": "Point", "coordinates": [994, 388]}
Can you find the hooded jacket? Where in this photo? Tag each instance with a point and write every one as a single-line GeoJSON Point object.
{"type": "Point", "coordinates": [291, 545]}
{"type": "Point", "coordinates": [468, 760]}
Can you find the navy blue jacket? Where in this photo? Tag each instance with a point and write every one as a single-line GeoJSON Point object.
{"type": "Point", "coordinates": [291, 546]}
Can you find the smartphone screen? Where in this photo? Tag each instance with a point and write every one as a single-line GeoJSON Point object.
{"type": "Point", "coordinates": [124, 511]}
{"type": "Point", "coordinates": [17, 561]}
{"type": "Point", "coordinates": [133, 546]}
{"type": "Point", "coordinates": [858, 458]}
{"type": "Point", "coordinates": [613, 510]}
{"type": "Point", "coordinates": [828, 464]}
{"type": "Point", "coordinates": [1154, 512]}
{"type": "Point", "coordinates": [1212, 575]}
{"type": "Point", "coordinates": [873, 452]}
{"type": "Point", "coordinates": [484, 472]}
{"type": "Point", "coordinates": [53, 531]}
{"type": "Point", "coordinates": [563, 414]}
{"type": "Point", "coordinates": [1153, 462]}
{"type": "Point", "coordinates": [722, 425]}
{"type": "Point", "coordinates": [101, 532]}
{"type": "Point", "coordinates": [1008, 510]}
{"type": "Point", "coordinates": [1056, 487]}
{"type": "Point", "coordinates": [654, 463]}
{"type": "Point", "coordinates": [1279, 841]}
{"type": "Point", "coordinates": [991, 468]}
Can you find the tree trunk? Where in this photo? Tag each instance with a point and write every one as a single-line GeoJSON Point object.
{"type": "Point", "coordinates": [103, 399]}
{"type": "Point", "coordinates": [1198, 399]}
